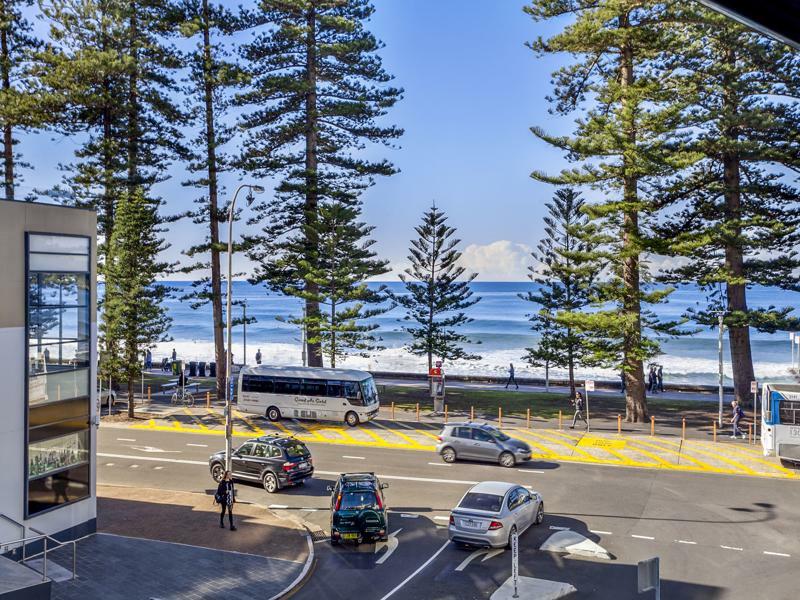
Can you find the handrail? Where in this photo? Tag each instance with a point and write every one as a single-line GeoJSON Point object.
{"type": "Point", "coordinates": [14, 522]}
{"type": "Point", "coordinates": [60, 543]}
{"type": "Point", "coordinates": [24, 541]}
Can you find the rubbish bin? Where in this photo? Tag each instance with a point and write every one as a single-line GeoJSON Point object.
{"type": "Point", "coordinates": [193, 368]}
{"type": "Point", "coordinates": [176, 368]}
{"type": "Point", "coordinates": [212, 369]}
{"type": "Point", "coordinates": [201, 369]}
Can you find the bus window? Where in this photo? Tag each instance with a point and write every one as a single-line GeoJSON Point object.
{"type": "Point", "coordinates": [287, 386]}
{"type": "Point", "coordinates": [257, 383]}
{"type": "Point", "coordinates": [352, 392]}
{"type": "Point", "coordinates": [790, 412]}
{"type": "Point", "coordinates": [313, 387]}
{"type": "Point", "coordinates": [369, 391]}
{"type": "Point", "coordinates": [334, 389]}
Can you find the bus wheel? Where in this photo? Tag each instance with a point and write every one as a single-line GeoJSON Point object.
{"type": "Point", "coordinates": [273, 414]}
{"type": "Point", "coordinates": [351, 419]}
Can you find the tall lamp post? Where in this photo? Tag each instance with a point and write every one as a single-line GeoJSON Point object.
{"type": "Point", "coordinates": [257, 189]}
{"type": "Point", "coordinates": [721, 327]}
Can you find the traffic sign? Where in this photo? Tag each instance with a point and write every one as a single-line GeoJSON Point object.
{"type": "Point", "coordinates": [435, 372]}
{"type": "Point", "coordinates": [515, 562]}
{"type": "Point", "coordinates": [753, 387]}
{"type": "Point", "coordinates": [589, 384]}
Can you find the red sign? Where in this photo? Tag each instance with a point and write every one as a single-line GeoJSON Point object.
{"type": "Point", "coordinates": [435, 372]}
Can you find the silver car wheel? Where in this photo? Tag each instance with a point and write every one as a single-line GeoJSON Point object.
{"type": "Point", "coordinates": [270, 483]}
{"type": "Point", "coordinates": [217, 472]}
{"type": "Point", "coordinates": [507, 459]}
{"type": "Point", "coordinates": [449, 455]}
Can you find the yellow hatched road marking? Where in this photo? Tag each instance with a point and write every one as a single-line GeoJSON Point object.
{"type": "Point", "coordinates": [195, 418]}
{"type": "Point", "coordinates": [374, 435]}
{"type": "Point", "coordinates": [608, 449]}
{"type": "Point", "coordinates": [249, 422]}
{"type": "Point", "coordinates": [734, 464]}
{"type": "Point", "coordinates": [628, 446]}
{"type": "Point", "coordinates": [574, 447]}
{"type": "Point", "coordinates": [423, 432]}
{"type": "Point", "coordinates": [402, 436]}
{"type": "Point", "coordinates": [312, 429]}
{"type": "Point", "coordinates": [744, 452]}
{"type": "Point", "coordinates": [548, 451]}
{"type": "Point", "coordinates": [700, 464]}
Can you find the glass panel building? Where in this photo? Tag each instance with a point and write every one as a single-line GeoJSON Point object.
{"type": "Point", "coordinates": [48, 404]}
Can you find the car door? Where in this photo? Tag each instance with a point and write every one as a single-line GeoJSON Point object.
{"type": "Point", "coordinates": [515, 507]}
{"type": "Point", "coordinates": [460, 439]}
{"type": "Point", "coordinates": [483, 446]}
{"type": "Point", "coordinates": [258, 460]}
{"type": "Point", "coordinates": [240, 461]}
{"type": "Point", "coordinates": [526, 508]}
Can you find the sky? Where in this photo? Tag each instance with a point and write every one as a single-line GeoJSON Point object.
{"type": "Point", "coordinates": [472, 91]}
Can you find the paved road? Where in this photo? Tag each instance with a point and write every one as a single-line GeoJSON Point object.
{"type": "Point", "coordinates": [718, 536]}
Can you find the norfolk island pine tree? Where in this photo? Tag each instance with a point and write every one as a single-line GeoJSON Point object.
{"type": "Point", "coordinates": [438, 292]}
{"type": "Point", "coordinates": [620, 143]}
{"type": "Point", "coordinates": [317, 92]}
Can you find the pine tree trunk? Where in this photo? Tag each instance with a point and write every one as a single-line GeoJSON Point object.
{"type": "Point", "coordinates": [8, 139]}
{"type": "Point", "coordinates": [313, 345]}
{"type": "Point", "coordinates": [739, 337]}
{"type": "Point", "coordinates": [213, 206]}
{"type": "Point", "coordinates": [333, 331]}
{"type": "Point", "coordinates": [635, 400]}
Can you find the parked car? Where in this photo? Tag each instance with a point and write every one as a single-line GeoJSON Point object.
{"type": "Point", "coordinates": [479, 441]}
{"type": "Point", "coordinates": [358, 509]}
{"type": "Point", "coordinates": [274, 460]}
{"type": "Point", "coordinates": [491, 511]}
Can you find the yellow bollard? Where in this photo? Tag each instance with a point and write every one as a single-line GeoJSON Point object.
{"type": "Point", "coordinates": [208, 399]}
{"type": "Point", "coordinates": [471, 413]}
{"type": "Point", "coordinates": [148, 393]}
{"type": "Point", "coordinates": [528, 418]}
{"type": "Point", "coordinates": [417, 411]}
{"type": "Point", "coordinates": [714, 426]}
{"type": "Point", "coordinates": [445, 413]}
{"type": "Point", "coordinates": [619, 424]}
{"type": "Point", "coordinates": [392, 411]}
{"type": "Point", "coordinates": [500, 417]}
{"type": "Point", "coordinates": [652, 426]}
{"type": "Point", "coordinates": [683, 429]}
{"type": "Point", "coordinates": [559, 420]}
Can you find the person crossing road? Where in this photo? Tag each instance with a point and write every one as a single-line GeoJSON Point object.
{"type": "Point", "coordinates": [578, 403]}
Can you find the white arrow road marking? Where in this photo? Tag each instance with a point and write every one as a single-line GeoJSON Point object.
{"type": "Point", "coordinates": [768, 553]}
{"type": "Point", "coordinates": [355, 457]}
{"type": "Point", "coordinates": [480, 552]}
{"type": "Point", "coordinates": [439, 464]}
{"type": "Point", "coordinates": [409, 516]}
{"type": "Point", "coordinates": [731, 548]}
{"type": "Point", "coordinates": [391, 545]}
{"type": "Point", "coordinates": [125, 440]}
{"type": "Point", "coordinates": [597, 531]}
{"type": "Point", "coordinates": [198, 445]}
{"type": "Point", "coordinates": [153, 449]}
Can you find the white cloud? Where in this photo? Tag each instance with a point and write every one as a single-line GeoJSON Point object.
{"type": "Point", "coordinates": [502, 260]}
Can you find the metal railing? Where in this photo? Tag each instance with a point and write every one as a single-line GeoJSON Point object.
{"type": "Point", "coordinates": [13, 522]}
{"type": "Point", "coordinates": [45, 539]}
{"type": "Point", "coordinates": [48, 538]}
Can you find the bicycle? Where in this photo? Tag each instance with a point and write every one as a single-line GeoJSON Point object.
{"type": "Point", "coordinates": [181, 396]}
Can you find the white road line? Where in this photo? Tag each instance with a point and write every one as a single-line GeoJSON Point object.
{"type": "Point", "coordinates": [441, 518]}
{"type": "Point", "coordinates": [731, 548]}
{"type": "Point", "coordinates": [310, 509]}
{"type": "Point", "coordinates": [278, 506]}
{"type": "Point", "coordinates": [154, 459]}
{"type": "Point", "coordinates": [109, 464]}
{"type": "Point", "coordinates": [597, 531]}
{"type": "Point", "coordinates": [409, 516]}
{"type": "Point", "coordinates": [391, 545]}
{"type": "Point", "coordinates": [433, 464]}
{"type": "Point", "coordinates": [642, 537]}
{"type": "Point", "coordinates": [687, 542]}
{"type": "Point", "coordinates": [557, 528]}
{"type": "Point", "coordinates": [465, 563]}
{"type": "Point", "coordinates": [768, 553]}
{"type": "Point", "coordinates": [198, 445]}
{"type": "Point", "coordinates": [530, 471]}
{"type": "Point", "coordinates": [355, 457]}
{"type": "Point", "coordinates": [134, 466]}
{"type": "Point", "coordinates": [415, 573]}
{"type": "Point", "coordinates": [158, 468]}
{"type": "Point", "coordinates": [405, 478]}
{"type": "Point", "coordinates": [125, 440]}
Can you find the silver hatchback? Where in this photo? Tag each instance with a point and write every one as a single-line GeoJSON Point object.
{"type": "Point", "coordinates": [479, 441]}
{"type": "Point", "coordinates": [491, 511]}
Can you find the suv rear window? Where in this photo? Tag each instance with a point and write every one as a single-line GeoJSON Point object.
{"type": "Point", "coordinates": [476, 501]}
{"type": "Point", "coordinates": [358, 500]}
{"type": "Point", "coordinates": [296, 449]}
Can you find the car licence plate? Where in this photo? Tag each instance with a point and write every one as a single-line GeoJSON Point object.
{"type": "Point", "coordinates": [470, 524]}
{"type": "Point", "coordinates": [349, 536]}
{"type": "Point", "coordinates": [302, 465]}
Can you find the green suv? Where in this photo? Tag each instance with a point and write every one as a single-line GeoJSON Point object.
{"type": "Point", "coordinates": [358, 509]}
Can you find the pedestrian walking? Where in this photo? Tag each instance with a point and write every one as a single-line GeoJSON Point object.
{"type": "Point", "coordinates": [511, 378]}
{"type": "Point", "coordinates": [148, 360]}
{"type": "Point", "coordinates": [651, 380]}
{"type": "Point", "coordinates": [622, 385]}
{"type": "Point", "coordinates": [660, 378]}
{"type": "Point", "coordinates": [738, 414]}
{"type": "Point", "coordinates": [578, 403]}
{"type": "Point", "coordinates": [174, 355]}
{"type": "Point", "coordinates": [46, 356]}
{"type": "Point", "coordinates": [225, 497]}
{"type": "Point", "coordinates": [258, 357]}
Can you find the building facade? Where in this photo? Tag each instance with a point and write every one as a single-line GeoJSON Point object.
{"type": "Point", "coordinates": [48, 396]}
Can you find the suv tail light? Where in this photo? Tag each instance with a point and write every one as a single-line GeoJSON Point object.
{"type": "Point", "coordinates": [379, 501]}
{"type": "Point", "coordinates": [452, 520]}
{"type": "Point", "coordinates": [495, 525]}
{"type": "Point", "coordinates": [338, 502]}
{"type": "Point", "coordinates": [288, 466]}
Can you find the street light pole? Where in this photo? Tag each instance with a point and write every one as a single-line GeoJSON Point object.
{"type": "Point", "coordinates": [244, 331]}
{"type": "Point", "coordinates": [228, 356]}
{"type": "Point", "coordinates": [721, 327]}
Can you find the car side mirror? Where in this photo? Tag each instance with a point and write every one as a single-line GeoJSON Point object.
{"type": "Point", "coordinates": [329, 488]}
{"type": "Point", "coordinates": [384, 486]}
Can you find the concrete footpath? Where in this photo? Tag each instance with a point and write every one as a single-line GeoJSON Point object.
{"type": "Point", "coordinates": [168, 545]}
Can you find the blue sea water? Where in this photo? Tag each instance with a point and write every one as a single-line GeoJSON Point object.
{"type": "Point", "coordinates": [499, 324]}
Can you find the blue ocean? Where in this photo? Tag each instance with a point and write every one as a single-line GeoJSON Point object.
{"type": "Point", "coordinates": [500, 330]}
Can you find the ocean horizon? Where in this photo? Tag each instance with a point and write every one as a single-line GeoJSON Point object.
{"type": "Point", "coordinates": [500, 329]}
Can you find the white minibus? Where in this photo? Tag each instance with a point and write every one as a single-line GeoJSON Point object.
{"type": "Point", "coordinates": [780, 422]}
{"type": "Point", "coordinates": [308, 393]}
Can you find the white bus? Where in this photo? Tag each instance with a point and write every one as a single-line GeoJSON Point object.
{"type": "Point", "coordinates": [308, 393]}
{"type": "Point", "coordinates": [780, 421]}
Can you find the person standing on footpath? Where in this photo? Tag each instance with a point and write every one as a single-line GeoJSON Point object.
{"type": "Point", "coordinates": [511, 378]}
{"type": "Point", "coordinates": [622, 385]}
{"type": "Point", "coordinates": [578, 403]}
{"type": "Point", "coordinates": [660, 378]}
{"type": "Point", "coordinates": [738, 413]}
{"type": "Point", "coordinates": [174, 355]}
{"type": "Point", "coordinates": [225, 497]}
{"type": "Point", "coordinates": [651, 379]}
{"type": "Point", "coordinates": [258, 357]}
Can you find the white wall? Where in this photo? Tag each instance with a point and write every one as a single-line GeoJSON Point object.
{"type": "Point", "coordinates": [12, 428]}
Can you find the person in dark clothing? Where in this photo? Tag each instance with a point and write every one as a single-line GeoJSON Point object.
{"type": "Point", "coordinates": [738, 414]}
{"type": "Point", "coordinates": [660, 378]}
{"type": "Point", "coordinates": [651, 379]}
{"type": "Point", "coordinates": [578, 403]}
{"type": "Point", "coordinates": [511, 376]}
{"type": "Point", "coordinates": [258, 357]}
{"type": "Point", "coordinates": [226, 497]}
{"type": "Point", "coordinates": [174, 355]}
{"type": "Point", "coordinates": [622, 385]}
{"type": "Point", "coordinates": [182, 379]}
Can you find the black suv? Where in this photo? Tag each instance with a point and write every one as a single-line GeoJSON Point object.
{"type": "Point", "coordinates": [358, 509]}
{"type": "Point", "coordinates": [276, 461]}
